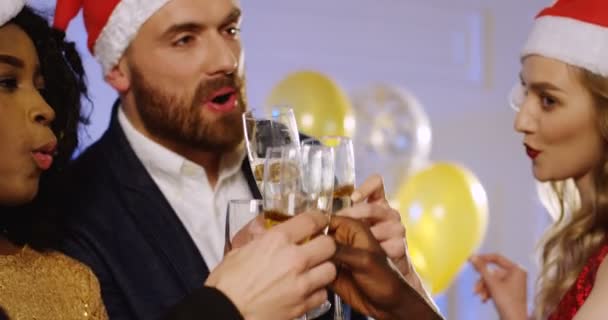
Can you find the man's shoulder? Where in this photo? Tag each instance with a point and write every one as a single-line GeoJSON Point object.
{"type": "Point", "coordinates": [92, 178]}
{"type": "Point", "coordinates": [94, 153]}
{"type": "Point", "coordinates": [99, 161]}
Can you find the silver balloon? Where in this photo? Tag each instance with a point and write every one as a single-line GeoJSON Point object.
{"type": "Point", "coordinates": [393, 134]}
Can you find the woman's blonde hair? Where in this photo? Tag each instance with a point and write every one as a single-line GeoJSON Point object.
{"type": "Point", "coordinates": [578, 231]}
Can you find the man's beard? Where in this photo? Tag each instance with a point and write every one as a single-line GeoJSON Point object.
{"type": "Point", "coordinates": [177, 118]}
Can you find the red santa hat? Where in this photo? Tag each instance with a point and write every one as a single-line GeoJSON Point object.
{"type": "Point", "coordinates": [110, 24]}
{"type": "Point", "coordinates": [10, 9]}
{"type": "Point", "coordinates": [573, 31]}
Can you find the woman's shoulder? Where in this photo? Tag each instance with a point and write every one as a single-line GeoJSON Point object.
{"type": "Point", "coordinates": [83, 281]}
{"type": "Point", "coordinates": [594, 306]}
{"type": "Point", "coordinates": [596, 267]}
{"type": "Point", "coordinates": [602, 265]}
{"type": "Point", "coordinates": [66, 286]}
{"type": "Point", "coordinates": [50, 268]}
{"type": "Point", "coordinates": [59, 264]}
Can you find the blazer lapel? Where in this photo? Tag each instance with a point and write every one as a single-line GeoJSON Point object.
{"type": "Point", "coordinates": [153, 213]}
{"type": "Point", "coordinates": [253, 186]}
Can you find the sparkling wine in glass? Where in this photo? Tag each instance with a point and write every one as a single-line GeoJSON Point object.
{"type": "Point", "coordinates": [241, 215]}
{"type": "Point", "coordinates": [277, 130]}
{"type": "Point", "coordinates": [297, 180]}
{"type": "Point", "coordinates": [344, 162]}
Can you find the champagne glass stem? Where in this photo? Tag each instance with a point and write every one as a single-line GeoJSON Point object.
{"type": "Point", "coordinates": [338, 310]}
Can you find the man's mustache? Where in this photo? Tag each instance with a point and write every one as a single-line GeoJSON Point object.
{"type": "Point", "coordinates": [207, 89]}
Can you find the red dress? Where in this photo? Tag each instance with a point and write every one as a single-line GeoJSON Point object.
{"type": "Point", "coordinates": [575, 297]}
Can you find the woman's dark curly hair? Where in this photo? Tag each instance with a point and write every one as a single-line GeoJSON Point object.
{"type": "Point", "coordinates": [37, 223]}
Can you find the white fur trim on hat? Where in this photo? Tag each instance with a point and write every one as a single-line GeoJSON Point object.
{"type": "Point", "coordinates": [121, 28]}
{"type": "Point", "coordinates": [10, 9]}
{"type": "Point", "coordinates": [572, 41]}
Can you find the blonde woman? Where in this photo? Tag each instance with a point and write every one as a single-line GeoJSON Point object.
{"type": "Point", "coordinates": [563, 116]}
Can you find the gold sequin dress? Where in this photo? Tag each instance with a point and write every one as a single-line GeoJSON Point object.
{"type": "Point", "coordinates": [39, 286]}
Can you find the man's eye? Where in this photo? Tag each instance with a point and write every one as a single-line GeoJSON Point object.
{"type": "Point", "coordinates": [183, 41]}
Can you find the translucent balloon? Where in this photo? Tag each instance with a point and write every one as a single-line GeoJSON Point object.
{"type": "Point", "coordinates": [393, 134]}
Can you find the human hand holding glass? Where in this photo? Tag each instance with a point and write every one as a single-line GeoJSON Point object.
{"type": "Point", "coordinates": [298, 180]}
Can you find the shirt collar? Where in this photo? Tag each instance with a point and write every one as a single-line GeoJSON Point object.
{"type": "Point", "coordinates": [160, 159]}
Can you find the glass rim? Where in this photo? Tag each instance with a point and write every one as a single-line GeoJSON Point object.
{"type": "Point", "coordinates": [283, 109]}
{"type": "Point", "coordinates": [316, 146]}
{"type": "Point", "coordinates": [331, 136]}
{"type": "Point", "coordinates": [281, 148]}
{"type": "Point", "coordinates": [245, 201]}
{"type": "Point", "coordinates": [310, 140]}
{"type": "Point", "coordinates": [248, 114]}
{"type": "Point", "coordinates": [341, 140]}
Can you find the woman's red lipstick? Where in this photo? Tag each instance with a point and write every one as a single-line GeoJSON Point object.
{"type": "Point", "coordinates": [531, 152]}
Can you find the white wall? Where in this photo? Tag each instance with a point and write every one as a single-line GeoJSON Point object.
{"type": "Point", "coordinates": [460, 57]}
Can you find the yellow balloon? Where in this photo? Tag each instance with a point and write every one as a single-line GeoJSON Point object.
{"type": "Point", "coordinates": [321, 107]}
{"type": "Point", "coordinates": [445, 211]}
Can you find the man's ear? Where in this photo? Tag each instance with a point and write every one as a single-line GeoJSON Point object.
{"type": "Point", "coordinates": [119, 76]}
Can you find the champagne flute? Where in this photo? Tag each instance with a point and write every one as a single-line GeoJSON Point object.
{"type": "Point", "coordinates": [261, 133]}
{"type": "Point", "coordinates": [344, 185]}
{"type": "Point", "coordinates": [345, 169]}
{"type": "Point", "coordinates": [318, 170]}
{"type": "Point", "coordinates": [239, 215]}
{"type": "Point", "coordinates": [297, 180]}
{"type": "Point", "coordinates": [282, 193]}
{"type": "Point", "coordinates": [318, 187]}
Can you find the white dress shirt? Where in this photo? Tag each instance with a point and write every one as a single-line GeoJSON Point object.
{"type": "Point", "coordinates": [201, 209]}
